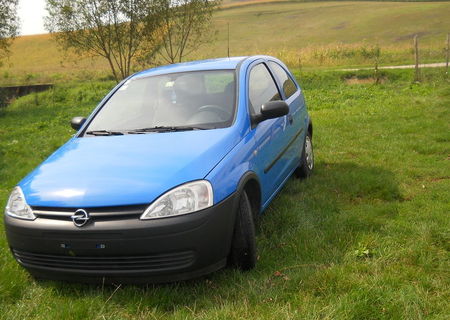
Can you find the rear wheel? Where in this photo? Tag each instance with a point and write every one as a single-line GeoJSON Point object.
{"type": "Point", "coordinates": [243, 247]}
{"type": "Point", "coordinates": [306, 166]}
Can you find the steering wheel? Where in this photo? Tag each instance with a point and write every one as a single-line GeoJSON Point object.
{"type": "Point", "coordinates": [220, 111]}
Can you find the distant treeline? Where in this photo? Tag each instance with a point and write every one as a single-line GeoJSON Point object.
{"type": "Point", "coordinates": [245, 3]}
{"type": "Point", "coordinates": [359, 0]}
{"type": "Point", "coordinates": [371, 0]}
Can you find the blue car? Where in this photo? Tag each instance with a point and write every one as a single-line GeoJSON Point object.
{"type": "Point", "coordinates": [164, 180]}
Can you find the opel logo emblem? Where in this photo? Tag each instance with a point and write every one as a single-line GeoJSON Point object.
{"type": "Point", "coordinates": [80, 217]}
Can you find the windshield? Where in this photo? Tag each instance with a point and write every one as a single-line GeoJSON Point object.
{"type": "Point", "coordinates": [195, 100]}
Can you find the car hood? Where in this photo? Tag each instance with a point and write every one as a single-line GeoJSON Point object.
{"type": "Point", "coordinates": [124, 170]}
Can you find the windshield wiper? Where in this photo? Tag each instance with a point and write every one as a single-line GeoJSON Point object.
{"type": "Point", "coordinates": [104, 133]}
{"type": "Point", "coordinates": [166, 129]}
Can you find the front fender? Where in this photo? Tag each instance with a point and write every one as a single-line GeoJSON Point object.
{"type": "Point", "coordinates": [227, 174]}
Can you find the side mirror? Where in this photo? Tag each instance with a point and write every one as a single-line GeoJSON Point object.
{"type": "Point", "coordinates": [271, 110]}
{"type": "Point", "coordinates": [77, 122]}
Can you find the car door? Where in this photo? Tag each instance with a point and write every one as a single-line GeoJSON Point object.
{"type": "Point", "coordinates": [270, 135]}
{"type": "Point", "coordinates": [297, 118]}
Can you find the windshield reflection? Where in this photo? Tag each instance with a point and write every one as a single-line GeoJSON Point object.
{"type": "Point", "coordinates": [189, 100]}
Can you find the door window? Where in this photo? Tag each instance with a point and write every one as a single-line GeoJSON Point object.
{"type": "Point", "coordinates": [262, 88]}
{"type": "Point", "coordinates": [287, 84]}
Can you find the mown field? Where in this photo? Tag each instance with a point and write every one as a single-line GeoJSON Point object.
{"type": "Point", "coordinates": [367, 237]}
{"type": "Point", "coordinates": [303, 34]}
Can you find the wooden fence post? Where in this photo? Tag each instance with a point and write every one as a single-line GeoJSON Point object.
{"type": "Point", "coordinates": [448, 54]}
{"type": "Point", "coordinates": [416, 58]}
{"type": "Point", "coordinates": [299, 60]}
{"type": "Point", "coordinates": [377, 54]}
{"type": "Point", "coordinates": [228, 40]}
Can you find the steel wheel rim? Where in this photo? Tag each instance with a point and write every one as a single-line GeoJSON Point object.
{"type": "Point", "coordinates": [309, 153]}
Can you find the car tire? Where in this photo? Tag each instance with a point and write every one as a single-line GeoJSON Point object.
{"type": "Point", "coordinates": [243, 246]}
{"type": "Point", "coordinates": [306, 167]}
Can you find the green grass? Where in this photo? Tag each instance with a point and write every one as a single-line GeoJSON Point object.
{"type": "Point", "coordinates": [367, 237]}
{"type": "Point", "coordinates": [328, 34]}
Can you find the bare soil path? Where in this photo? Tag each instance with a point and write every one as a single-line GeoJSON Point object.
{"type": "Point", "coordinates": [409, 66]}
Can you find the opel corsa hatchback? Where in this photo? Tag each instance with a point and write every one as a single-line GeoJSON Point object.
{"type": "Point", "coordinates": [164, 179]}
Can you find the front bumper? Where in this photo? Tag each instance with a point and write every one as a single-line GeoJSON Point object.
{"type": "Point", "coordinates": [125, 249]}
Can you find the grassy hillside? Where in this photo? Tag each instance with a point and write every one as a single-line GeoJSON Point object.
{"type": "Point", "coordinates": [366, 237]}
{"type": "Point", "coordinates": [309, 34]}
{"type": "Point", "coordinates": [37, 58]}
{"type": "Point", "coordinates": [298, 25]}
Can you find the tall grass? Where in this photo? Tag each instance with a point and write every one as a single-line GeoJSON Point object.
{"type": "Point", "coordinates": [357, 54]}
{"type": "Point", "coordinates": [326, 56]}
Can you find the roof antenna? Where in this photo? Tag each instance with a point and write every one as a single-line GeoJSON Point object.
{"type": "Point", "coordinates": [228, 46]}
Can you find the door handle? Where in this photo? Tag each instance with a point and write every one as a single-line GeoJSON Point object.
{"type": "Point", "coordinates": [290, 119]}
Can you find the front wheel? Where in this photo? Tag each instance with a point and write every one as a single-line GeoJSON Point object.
{"type": "Point", "coordinates": [243, 247]}
{"type": "Point", "coordinates": [306, 166]}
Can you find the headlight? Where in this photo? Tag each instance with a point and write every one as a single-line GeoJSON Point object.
{"type": "Point", "coordinates": [187, 198]}
{"type": "Point", "coordinates": [17, 207]}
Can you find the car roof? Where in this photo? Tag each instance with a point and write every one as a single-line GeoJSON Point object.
{"type": "Point", "coordinates": [210, 64]}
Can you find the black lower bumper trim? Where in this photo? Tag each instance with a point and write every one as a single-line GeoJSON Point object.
{"type": "Point", "coordinates": [126, 278]}
{"type": "Point", "coordinates": [107, 265]}
{"type": "Point", "coordinates": [130, 250]}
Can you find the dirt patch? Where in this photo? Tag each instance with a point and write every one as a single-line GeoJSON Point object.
{"type": "Point", "coordinates": [411, 36]}
{"type": "Point", "coordinates": [340, 26]}
{"type": "Point", "coordinates": [356, 80]}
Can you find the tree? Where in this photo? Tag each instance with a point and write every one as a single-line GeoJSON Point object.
{"type": "Point", "coordinates": [127, 32]}
{"type": "Point", "coordinates": [186, 25]}
{"type": "Point", "coordinates": [9, 24]}
{"type": "Point", "coordinates": [117, 30]}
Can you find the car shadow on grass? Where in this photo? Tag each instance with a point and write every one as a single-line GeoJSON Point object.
{"type": "Point", "coordinates": [320, 218]}
{"type": "Point", "coordinates": [310, 226]}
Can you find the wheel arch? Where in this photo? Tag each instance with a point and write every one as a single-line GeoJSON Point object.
{"type": "Point", "coordinates": [242, 252]}
{"type": "Point", "coordinates": [250, 183]}
{"type": "Point", "coordinates": [310, 128]}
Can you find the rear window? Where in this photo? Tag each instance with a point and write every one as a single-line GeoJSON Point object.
{"type": "Point", "coordinates": [218, 82]}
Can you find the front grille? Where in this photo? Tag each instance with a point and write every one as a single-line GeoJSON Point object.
{"type": "Point", "coordinates": [98, 213]}
{"type": "Point", "coordinates": [155, 262]}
